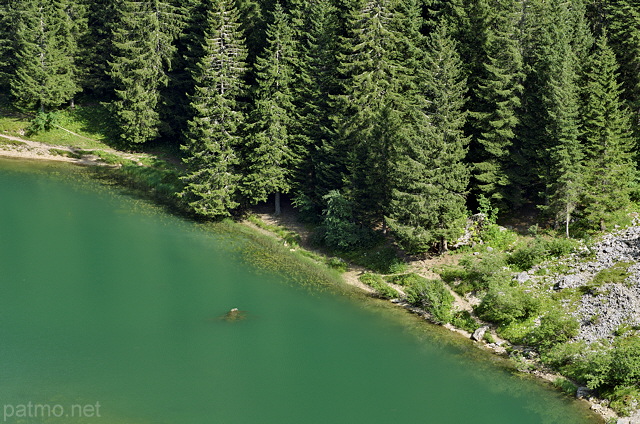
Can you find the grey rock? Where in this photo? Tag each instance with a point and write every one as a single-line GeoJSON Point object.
{"type": "Point", "coordinates": [583, 392]}
{"type": "Point", "coordinates": [479, 333]}
{"type": "Point", "coordinates": [523, 277]}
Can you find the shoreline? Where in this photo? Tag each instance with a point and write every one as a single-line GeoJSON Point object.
{"type": "Point", "coordinates": [31, 150]}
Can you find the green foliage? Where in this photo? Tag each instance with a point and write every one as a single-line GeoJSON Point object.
{"type": "Point", "coordinates": [377, 283]}
{"type": "Point", "coordinates": [337, 264]}
{"type": "Point", "coordinates": [497, 96]}
{"type": "Point", "coordinates": [538, 250]}
{"type": "Point", "coordinates": [556, 326]}
{"type": "Point", "coordinates": [606, 129]}
{"type": "Point", "coordinates": [565, 385]}
{"type": "Point", "coordinates": [428, 204]}
{"type": "Point", "coordinates": [378, 258]}
{"type": "Point", "coordinates": [498, 237]}
{"type": "Point", "coordinates": [618, 273]}
{"type": "Point", "coordinates": [213, 140]}
{"type": "Point", "coordinates": [478, 273]}
{"type": "Point", "coordinates": [624, 399]}
{"type": "Point", "coordinates": [44, 47]}
{"type": "Point", "coordinates": [338, 224]}
{"type": "Point", "coordinates": [269, 154]}
{"type": "Point", "coordinates": [465, 321]}
{"type": "Point", "coordinates": [142, 51]}
{"type": "Point", "coordinates": [43, 121]}
{"type": "Point", "coordinates": [505, 304]}
{"type": "Point", "coordinates": [433, 296]}
{"type": "Point", "coordinates": [405, 279]}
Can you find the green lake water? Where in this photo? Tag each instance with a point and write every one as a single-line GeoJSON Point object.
{"type": "Point", "coordinates": [107, 302]}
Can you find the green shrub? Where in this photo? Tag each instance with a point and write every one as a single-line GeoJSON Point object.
{"type": "Point", "coordinates": [555, 327]}
{"type": "Point", "coordinates": [43, 121]}
{"type": "Point", "coordinates": [481, 272]}
{"type": "Point", "coordinates": [498, 237]}
{"type": "Point", "coordinates": [505, 304]}
{"type": "Point", "coordinates": [339, 227]}
{"type": "Point", "coordinates": [434, 297]}
{"type": "Point", "coordinates": [337, 264]}
{"type": "Point", "coordinates": [377, 283]}
{"type": "Point", "coordinates": [539, 250]}
{"type": "Point", "coordinates": [464, 320]}
{"type": "Point", "coordinates": [625, 399]}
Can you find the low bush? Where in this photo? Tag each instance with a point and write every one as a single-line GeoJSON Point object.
{"type": "Point", "coordinates": [504, 304]}
{"type": "Point", "coordinates": [555, 327]}
{"type": "Point", "coordinates": [464, 320]}
{"type": "Point", "coordinates": [434, 297]}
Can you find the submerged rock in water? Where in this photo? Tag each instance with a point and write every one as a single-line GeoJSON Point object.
{"type": "Point", "coordinates": [234, 315]}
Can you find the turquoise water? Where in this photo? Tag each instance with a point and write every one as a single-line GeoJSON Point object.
{"type": "Point", "coordinates": [105, 300]}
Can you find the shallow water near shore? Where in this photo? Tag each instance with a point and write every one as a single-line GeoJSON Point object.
{"type": "Point", "coordinates": [106, 301]}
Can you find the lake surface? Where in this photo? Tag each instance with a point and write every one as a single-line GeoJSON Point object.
{"type": "Point", "coordinates": [108, 304]}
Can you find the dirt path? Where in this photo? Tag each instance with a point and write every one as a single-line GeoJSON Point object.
{"type": "Point", "coordinates": [28, 149]}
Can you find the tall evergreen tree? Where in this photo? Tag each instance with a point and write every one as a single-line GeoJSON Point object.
{"type": "Point", "coordinates": [213, 139]}
{"type": "Point", "coordinates": [44, 71]}
{"type": "Point", "coordinates": [143, 50]}
{"type": "Point", "coordinates": [429, 204]}
{"type": "Point", "coordinates": [606, 128]}
{"type": "Point", "coordinates": [268, 158]}
{"type": "Point", "coordinates": [623, 17]}
{"type": "Point", "coordinates": [550, 154]}
{"type": "Point", "coordinates": [372, 107]}
{"type": "Point", "coordinates": [322, 167]}
{"type": "Point", "coordinates": [498, 94]}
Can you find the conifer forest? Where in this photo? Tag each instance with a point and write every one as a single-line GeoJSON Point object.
{"type": "Point", "coordinates": [402, 116]}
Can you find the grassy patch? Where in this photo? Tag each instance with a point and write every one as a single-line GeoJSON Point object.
{"type": "Point", "coordinates": [291, 237]}
{"type": "Point", "coordinates": [618, 273]}
{"type": "Point", "coordinates": [377, 283]}
{"type": "Point", "coordinates": [565, 386]}
{"type": "Point", "coordinates": [382, 259]}
{"type": "Point", "coordinates": [7, 142]}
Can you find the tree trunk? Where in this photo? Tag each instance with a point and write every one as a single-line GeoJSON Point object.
{"type": "Point", "coordinates": [277, 202]}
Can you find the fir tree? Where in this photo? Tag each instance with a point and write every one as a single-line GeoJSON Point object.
{"type": "Point", "coordinates": [606, 128]}
{"type": "Point", "coordinates": [498, 97]}
{"type": "Point", "coordinates": [323, 167]}
{"type": "Point", "coordinates": [428, 204]}
{"type": "Point", "coordinates": [143, 51]}
{"type": "Point", "coordinates": [213, 140]}
{"type": "Point", "coordinates": [623, 27]}
{"type": "Point", "coordinates": [268, 158]}
{"type": "Point", "coordinates": [372, 108]}
{"type": "Point", "coordinates": [44, 72]}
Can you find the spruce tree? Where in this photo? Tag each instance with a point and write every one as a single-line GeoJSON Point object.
{"type": "Point", "coordinates": [429, 202]}
{"type": "Point", "coordinates": [623, 17]}
{"type": "Point", "coordinates": [323, 166]}
{"type": "Point", "coordinates": [143, 50]}
{"type": "Point", "coordinates": [606, 135]}
{"type": "Point", "coordinates": [212, 135]}
{"type": "Point", "coordinates": [268, 155]}
{"type": "Point", "coordinates": [44, 49]}
{"type": "Point", "coordinates": [498, 99]}
{"type": "Point", "coordinates": [372, 108]}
